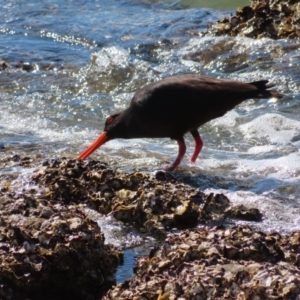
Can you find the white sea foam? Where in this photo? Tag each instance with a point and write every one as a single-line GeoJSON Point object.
{"type": "Point", "coordinates": [275, 128]}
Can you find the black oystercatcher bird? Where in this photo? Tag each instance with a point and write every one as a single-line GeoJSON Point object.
{"type": "Point", "coordinates": [176, 105]}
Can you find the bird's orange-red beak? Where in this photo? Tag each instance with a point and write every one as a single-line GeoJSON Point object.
{"type": "Point", "coordinates": [94, 146]}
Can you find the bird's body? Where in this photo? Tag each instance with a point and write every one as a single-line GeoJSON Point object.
{"type": "Point", "coordinates": [176, 105]}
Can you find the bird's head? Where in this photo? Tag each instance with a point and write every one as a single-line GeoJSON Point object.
{"type": "Point", "coordinates": [112, 129]}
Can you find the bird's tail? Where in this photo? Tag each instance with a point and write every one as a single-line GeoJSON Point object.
{"type": "Point", "coordinates": [263, 89]}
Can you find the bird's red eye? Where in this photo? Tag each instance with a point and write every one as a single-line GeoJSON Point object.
{"type": "Point", "coordinates": [109, 120]}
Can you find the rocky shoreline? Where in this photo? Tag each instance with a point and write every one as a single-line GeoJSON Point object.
{"type": "Point", "coordinates": [274, 19]}
{"type": "Point", "coordinates": [217, 263]}
{"type": "Point", "coordinates": [50, 249]}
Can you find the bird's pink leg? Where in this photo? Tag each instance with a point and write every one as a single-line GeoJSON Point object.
{"type": "Point", "coordinates": [198, 145]}
{"type": "Point", "coordinates": [181, 152]}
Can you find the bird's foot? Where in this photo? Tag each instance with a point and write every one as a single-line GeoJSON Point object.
{"type": "Point", "coordinates": [174, 165]}
{"type": "Point", "coordinates": [169, 167]}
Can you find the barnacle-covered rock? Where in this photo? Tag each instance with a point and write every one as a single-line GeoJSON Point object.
{"type": "Point", "coordinates": [243, 213]}
{"type": "Point", "coordinates": [47, 241]}
{"type": "Point", "coordinates": [274, 19]}
{"type": "Point", "coordinates": [215, 263]}
{"type": "Point", "coordinates": [48, 248]}
{"type": "Point", "coordinates": [60, 257]}
{"type": "Point", "coordinates": [151, 204]}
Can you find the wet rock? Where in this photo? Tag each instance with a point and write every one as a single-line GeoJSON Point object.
{"type": "Point", "coordinates": [47, 241]}
{"type": "Point", "coordinates": [16, 160]}
{"type": "Point", "coordinates": [66, 251]}
{"type": "Point", "coordinates": [274, 19]}
{"type": "Point", "coordinates": [243, 213]}
{"type": "Point", "coordinates": [151, 204]}
{"type": "Point", "coordinates": [3, 65]}
{"type": "Point", "coordinates": [26, 66]}
{"type": "Point", "coordinates": [215, 263]}
{"type": "Point", "coordinates": [48, 249]}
